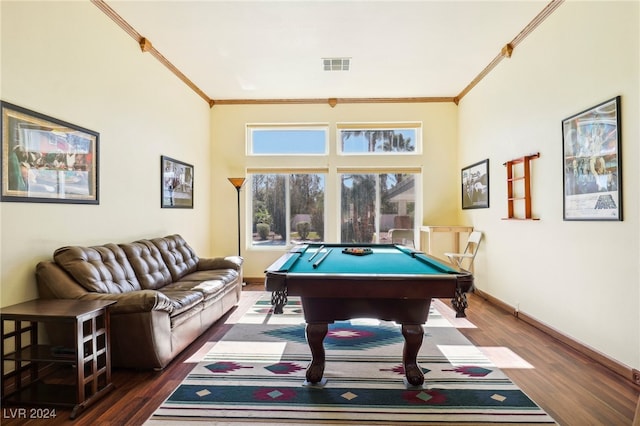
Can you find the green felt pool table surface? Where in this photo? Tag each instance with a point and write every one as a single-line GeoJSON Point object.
{"type": "Point", "coordinates": [385, 259]}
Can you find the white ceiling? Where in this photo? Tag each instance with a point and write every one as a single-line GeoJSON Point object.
{"type": "Point", "coordinates": [274, 49]}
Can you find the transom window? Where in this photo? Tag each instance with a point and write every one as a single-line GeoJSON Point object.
{"type": "Point", "coordinates": [379, 139]}
{"type": "Point", "coordinates": [287, 140]}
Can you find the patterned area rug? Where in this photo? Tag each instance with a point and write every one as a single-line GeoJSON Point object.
{"type": "Point", "coordinates": [256, 374]}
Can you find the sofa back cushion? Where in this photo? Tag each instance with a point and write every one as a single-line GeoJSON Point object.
{"type": "Point", "coordinates": [147, 263]}
{"type": "Point", "coordinates": [178, 255]}
{"type": "Point", "coordinates": [101, 269]}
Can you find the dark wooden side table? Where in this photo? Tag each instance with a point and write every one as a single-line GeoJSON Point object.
{"type": "Point", "coordinates": [38, 374]}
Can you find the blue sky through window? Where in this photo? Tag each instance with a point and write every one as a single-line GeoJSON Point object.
{"type": "Point", "coordinates": [307, 141]}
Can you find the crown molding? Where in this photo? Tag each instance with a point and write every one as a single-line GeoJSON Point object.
{"type": "Point", "coordinates": [332, 102]}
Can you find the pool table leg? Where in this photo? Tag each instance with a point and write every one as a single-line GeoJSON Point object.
{"type": "Point", "coordinates": [459, 303]}
{"type": "Point", "coordinates": [316, 333]}
{"type": "Point", "coordinates": [278, 300]}
{"type": "Point", "coordinates": [413, 334]}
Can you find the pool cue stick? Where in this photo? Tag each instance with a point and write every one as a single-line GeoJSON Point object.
{"type": "Point", "coordinates": [316, 253]}
{"type": "Point", "coordinates": [315, 265]}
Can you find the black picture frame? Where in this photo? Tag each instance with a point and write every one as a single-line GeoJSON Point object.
{"type": "Point", "coordinates": [176, 184]}
{"type": "Point", "coordinates": [475, 185]}
{"type": "Point", "coordinates": [47, 160]}
{"type": "Point", "coordinates": [592, 163]}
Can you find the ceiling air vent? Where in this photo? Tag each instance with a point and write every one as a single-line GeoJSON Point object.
{"type": "Point", "coordinates": [336, 64]}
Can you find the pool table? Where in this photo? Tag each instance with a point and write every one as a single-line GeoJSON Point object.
{"type": "Point", "coordinates": [384, 281]}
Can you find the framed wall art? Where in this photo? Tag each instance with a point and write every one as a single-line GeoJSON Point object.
{"type": "Point", "coordinates": [592, 163]}
{"type": "Point", "coordinates": [46, 160]}
{"type": "Point", "coordinates": [475, 185]}
{"type": "Point", "coordinates": [176, 184]}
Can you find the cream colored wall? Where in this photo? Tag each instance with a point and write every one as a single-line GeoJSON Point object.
{"type": "Point", "coordinates": [581, 278]}
{"type": "Point", "coordinates": [439, 162]}
{"type": "Point", "coordinates": [69, 61]}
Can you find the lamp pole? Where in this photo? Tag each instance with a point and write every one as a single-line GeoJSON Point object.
{"type": "Point", "coordinates": [237, 183]}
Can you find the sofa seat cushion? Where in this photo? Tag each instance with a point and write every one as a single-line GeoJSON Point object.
{"type": "Point", "coordinates": [183, 299]}
{"type": "Point", "coordinates": [211, 290]}
{"type": "Point", "coordinates": [225, 275]}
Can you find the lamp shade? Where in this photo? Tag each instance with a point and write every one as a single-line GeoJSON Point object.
{"type": "Point", "coordinates": [237, 182]}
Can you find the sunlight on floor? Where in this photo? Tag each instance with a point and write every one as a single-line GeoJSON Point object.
{"type": "Point", "coordinates": [200, 354]}
{"type": "Point", "coordinates": [461, 355]}
{"type": "Point", "coordinates": [504, 357]}
{"type": "Point", "coordinates": [488, 356]}
{"type": "Point", "coordinates": [247, 299]}
{"type": "Point", "coordinates": [248, 351]}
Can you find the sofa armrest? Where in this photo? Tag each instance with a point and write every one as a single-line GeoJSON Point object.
{"type": "Point", "coordinates": [229, 262]}
{"type": "Point", "coordinates": [54, 283]}
{"type": "Point", "coordinates": [134, 301]}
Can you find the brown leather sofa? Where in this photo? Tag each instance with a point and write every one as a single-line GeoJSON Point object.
{"type": "Point", "coordinates": [166, 295]}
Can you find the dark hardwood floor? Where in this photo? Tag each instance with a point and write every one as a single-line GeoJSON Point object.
{"type": "Point", "coordinates": [573, 389]}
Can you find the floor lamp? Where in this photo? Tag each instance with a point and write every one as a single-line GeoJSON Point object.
{"type": "Point", "coordinates": [237, 183]}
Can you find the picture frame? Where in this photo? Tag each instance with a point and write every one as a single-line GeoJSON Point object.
{"type": "Point", "coordinates": [47, 160]}
{"type": "Point", "coordinates": [592, 184]}
{"type": "Point", "coordinates": [475, 185]}
{"type": "Point", "coordinates": [176, 184]}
